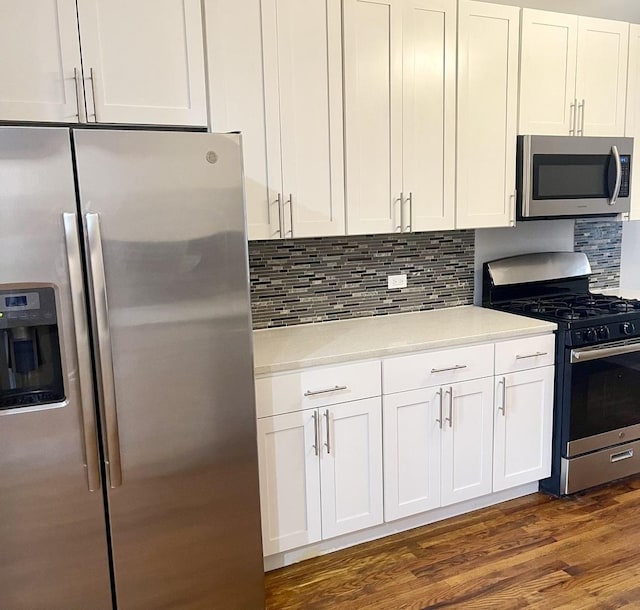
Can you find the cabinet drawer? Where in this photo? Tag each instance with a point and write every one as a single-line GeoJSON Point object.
{"type": "Point", "coordinates": [316, 387]}
{"type": "Point", "coordinates": [436, 368]}
{"type": "Point", "coordinates": [527, 353]}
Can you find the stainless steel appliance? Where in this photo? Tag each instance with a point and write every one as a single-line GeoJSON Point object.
{"type": "Point", "coordinates": [128, 461]}
{"type": "Point", "coordinates": [596, 435]}
{"type": "Point", "coordinates": [567, 176]}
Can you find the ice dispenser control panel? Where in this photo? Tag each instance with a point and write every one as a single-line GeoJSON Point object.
{"type": "Point", "coordinates": [30, 360]}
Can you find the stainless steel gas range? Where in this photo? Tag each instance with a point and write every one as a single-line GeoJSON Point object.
{"type": "Point", "coordinates": [596, 435]}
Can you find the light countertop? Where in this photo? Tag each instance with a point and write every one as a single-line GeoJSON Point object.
{"type": "Point", "coordinates": [295, 347]}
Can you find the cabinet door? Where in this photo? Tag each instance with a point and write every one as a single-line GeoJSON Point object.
{"type": "Point", "coordinates": [467, 439]}
{"type": "Point", "coordinates": [632, 128]}
{"type": "Point", "coordinates": [411, 443]}
{"type": "Point", "coordinates": [143, 61]}
{"type": "Point", "coordinates": [302, 42]}
{"type": "Point", "coordinates": [429, 68]}
{"type": "Point", "coordinates": [237, 102]}
{"type": "Point", "coordinates": [351, 467]}
{"type": "Point", "coordinates": [289, 480]}
{"type": "Point", "coordinates": [601, 78]}
{"type": "Point", "coordinates": [488, 40]}
{"type": "Point", "coordinates": [523, 424]}
{"type": "Point", "coordinates": [373, 114]}
{"type": "Point", "coordinates": [548, 73]}
{"type": "Point", "coordinates": [40, 51]}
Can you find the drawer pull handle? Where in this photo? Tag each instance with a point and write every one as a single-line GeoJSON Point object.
{"type": "Point", "coordinates": [519, 357]}
{"type": "Point", "coordinates": [335, 388]}
{"type": "Point", "coordinates": [457, 367]}
{"type": "Point", "coordinates": [625, 455]}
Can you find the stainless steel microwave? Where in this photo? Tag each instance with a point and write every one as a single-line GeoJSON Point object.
{"type": "Point", "coordinates": [572, 176]}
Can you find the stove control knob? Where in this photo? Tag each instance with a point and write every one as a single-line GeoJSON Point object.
{"type": "Point", "coordinates": [603, 333]}
{"type": "Point", "coordinates": [628, 328]}
{"type": "Point", "coordinates": [590, 335]}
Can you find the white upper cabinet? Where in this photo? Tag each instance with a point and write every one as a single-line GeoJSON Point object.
{"type": "Point", "coordinates": [548, 73]}
{"type": "Point", "coordinates": [488, 38]}
{"type": "Point", "coordinates": [143, 61]}
{"type": "Point", "coordinates": [632, 128]}
{"type": "Point", "coordinates": [428, 119]}
{"type": "Point", "coordinates": [601, 76]}
{"type": "Point", "coordinates": [40, 71]}
{"type": "Point", "coordinates": [400, 115]}
{"type": "Point", "coordinates": [275, 72]}
{"type": "Point", "coordinates": [573, 75]}
{"type": "Point", "coordinates": [373, 114]}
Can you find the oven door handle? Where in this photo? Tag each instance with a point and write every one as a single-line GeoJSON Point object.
{"type": "Point", "coordinates": [603, 351]}
{"type": "Point", "coordinates": [618, 180]}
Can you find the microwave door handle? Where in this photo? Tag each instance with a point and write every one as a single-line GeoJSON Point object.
{"type": "Point", "coordinates": [618, 182]}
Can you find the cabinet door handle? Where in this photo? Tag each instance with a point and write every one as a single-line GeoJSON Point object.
{"type": "Point", "coordinates": [439, 420]}
{"type": "Point", "coordinates": [410, 200]}
{"type": "Point", "coordinates": [290, 202]}
{"type": "Point", "coordinates": [450, 418]}
{"type": "Point", "coordinates": [316, 433]}
{"type": "Point", "coordinates": [581, 106]}
{"type": "Point", "coordinates": [278, 202]}
{"type": "Point", "coordinates": [572, 117]}
{"type": "Point", "coordinates": [328, 443]}
{"type": "Point", "coordinates": [519, 357]}
{"type": "Point", "coordinates": [92, 78]}
{"type": "Point", "coordinates": [76, 82]}
{"type": "Point", "coordinates": [401, 200]}
{"type": "Point", "coordinates": [457, 367]}
{"type": "Point", "coordinates": [502, 407]}
{"type": "Point", "coordinates": [335, 388]}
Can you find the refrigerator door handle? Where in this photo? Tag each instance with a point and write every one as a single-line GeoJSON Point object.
{"type": "Point", "coordinates": [108, 394]}
{"type": "Point", "coordinates": [83, 350]}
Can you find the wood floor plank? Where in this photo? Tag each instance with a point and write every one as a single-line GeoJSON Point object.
{"type": "Point", "coordinates": [581, 552]}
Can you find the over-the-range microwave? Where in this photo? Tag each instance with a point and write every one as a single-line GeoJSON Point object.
{"type": "Point", "coordinates": [573, 176]}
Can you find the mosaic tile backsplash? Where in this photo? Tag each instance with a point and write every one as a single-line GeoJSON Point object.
{"type": "Point", "coordinates": [601, 241]}
{"type": "Point", "coordinates": [331, 278]}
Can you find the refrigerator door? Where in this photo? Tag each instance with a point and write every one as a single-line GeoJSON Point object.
{"type": "Point", "coordinates": [165, 237]}
{"type": "Point", "coordinates": [53, 544]}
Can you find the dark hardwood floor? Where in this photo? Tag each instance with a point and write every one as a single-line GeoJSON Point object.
{"type": "Point", "coordinates": [533, 552]}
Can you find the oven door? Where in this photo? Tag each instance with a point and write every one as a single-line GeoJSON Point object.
{"type": "Point", "coordinates": [604, 398]}
{"type": "Point", "coordinates": [566, 176]}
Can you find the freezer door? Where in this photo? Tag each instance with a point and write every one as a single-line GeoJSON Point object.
{"type": "Point", "coordinates": [53, 545]}
{"type": "Point", "coordinates": [164, 229]}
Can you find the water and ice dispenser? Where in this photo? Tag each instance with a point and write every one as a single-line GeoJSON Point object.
{"type": "Point", "coordinates": [30, 362]}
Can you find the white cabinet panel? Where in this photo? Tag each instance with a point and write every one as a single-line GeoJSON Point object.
{"type": "Point", "coordinates": [601, 77]}
{"type": "Point", "coordinates": [234, 59]}
{"type": "Point", "coordinates": [488, 40]}
{"type": "Point", "coordinates": [373, 114]}
{"type": "Point", "coordinates": [632, 127]}
{"type": "Point", "coordinates": [547, 73]}
{"type": "Point", "coordinates": [411, 442]}
{"type": "Point", "coordinates": [143, 61]}
{"type": "Point", "coordinates": [467, 441]}
{"type": "Point", "coordinates": [40, 51]}
{"type": "Point", "coordinates": [303, 77]}
{"type": "Point", "coordinates": [289, 481]}
{"type": "Point", "coordinates": [523, 427]}
{"type": "Point", "coordinates": [526, 353]}
{"type": "Point", "coordinates": [429, 52]}
{"type": "Point", "coordinates": [317, 387]}
{"type": "Point", "coordinates": [351, 467]}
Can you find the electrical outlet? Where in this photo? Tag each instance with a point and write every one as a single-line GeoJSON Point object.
{"type": "Point", "coordinates": [397, 281]}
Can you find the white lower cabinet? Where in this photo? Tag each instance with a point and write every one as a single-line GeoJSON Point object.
{"type": "Point", "coordinates": [437, 446]}
{"type": "Point", "coordinates": [320, 473]}
{"type": "Point", "coordinates": [467, 441]}
{"type": "Point", "coordinates": [453, 425]}
{"type": "Point", "coordinates": [523, 427]}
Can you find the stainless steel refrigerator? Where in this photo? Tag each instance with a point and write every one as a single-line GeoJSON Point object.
{"type": "Point", "coordinates": [128, 466]}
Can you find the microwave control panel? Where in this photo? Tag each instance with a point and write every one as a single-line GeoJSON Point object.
{"type": "Point", "coordinates": [625, 162]}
